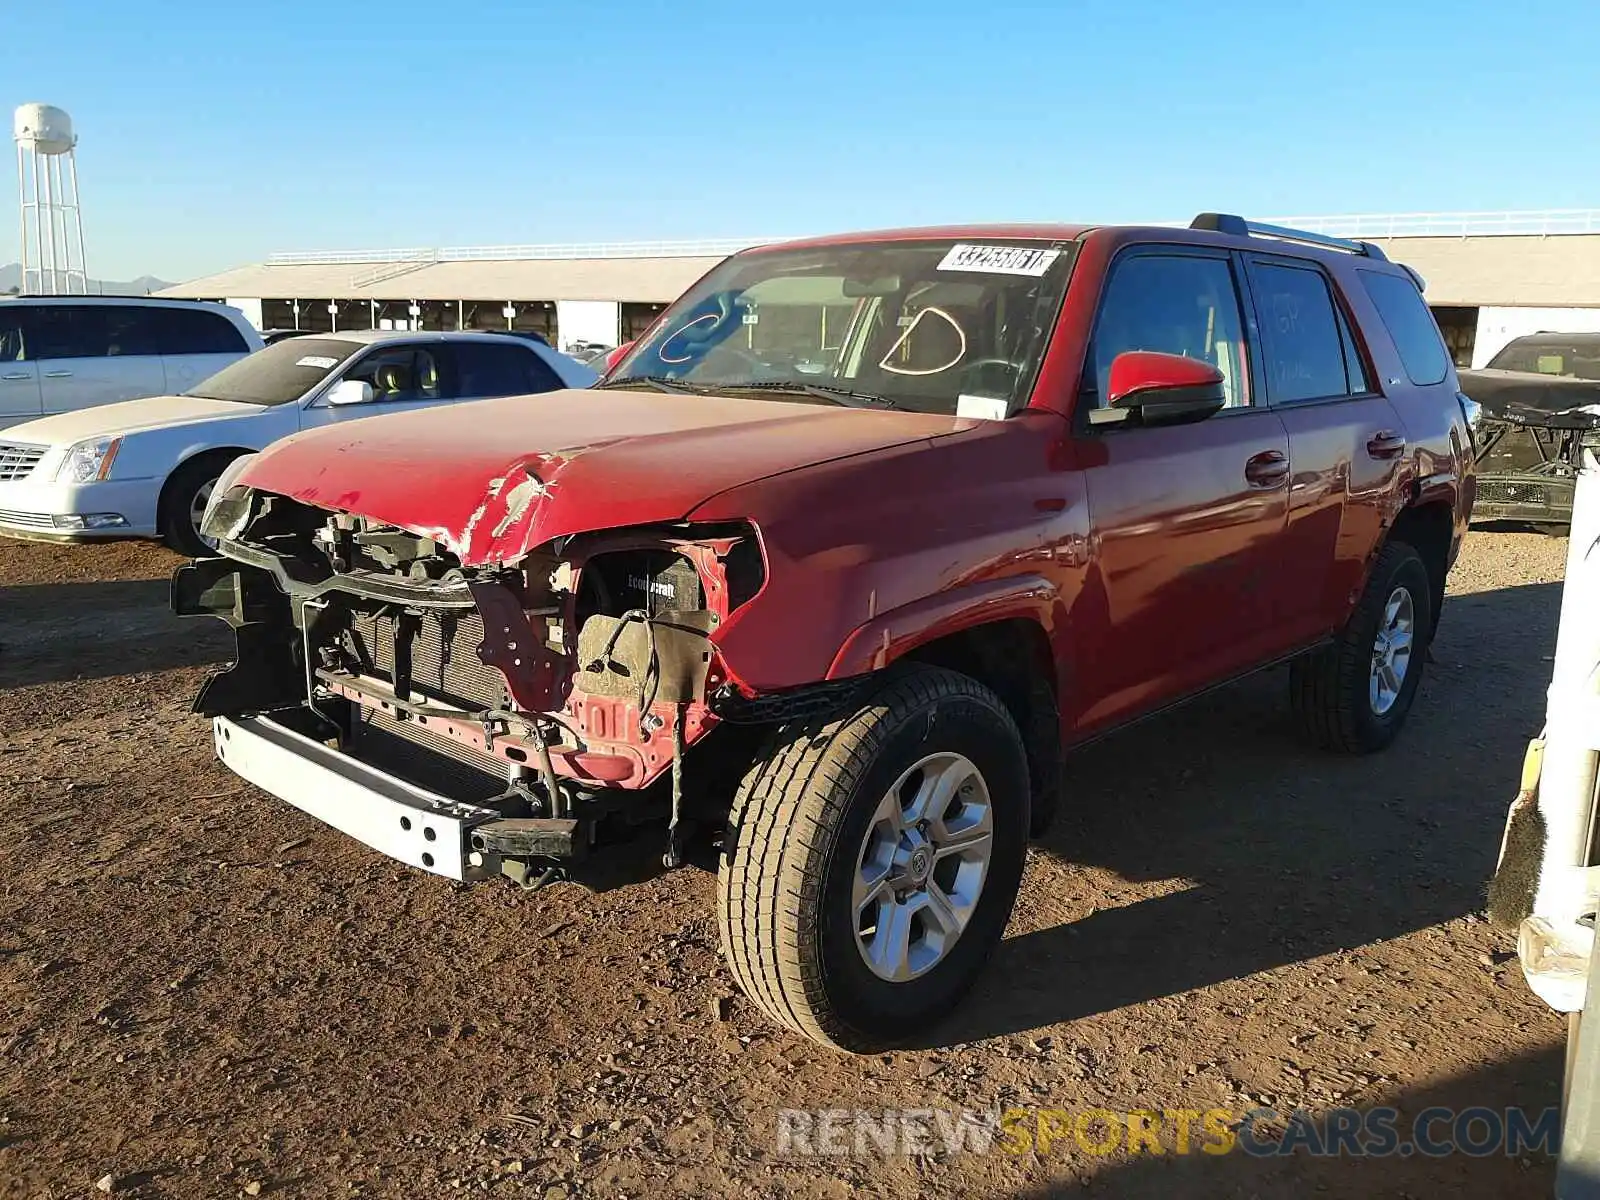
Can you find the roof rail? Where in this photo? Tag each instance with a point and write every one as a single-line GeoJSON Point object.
{"type": "Point", "coordinates": [1239, 227]}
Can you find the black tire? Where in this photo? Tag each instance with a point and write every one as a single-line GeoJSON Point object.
{"type": "Point", "coordinates": [178, 497]}
{"type": "Point", "coordinates": [1329, 688]}
{"type": "Point", "coordinates": [784, 903]}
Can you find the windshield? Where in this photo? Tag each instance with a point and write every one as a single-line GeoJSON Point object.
{"type": "Point", "coordinates": [1579, 359]}
{"type": "Point", "coordinates": [926, 326]}
{"type": "Point", "coordinates": [280, 374]}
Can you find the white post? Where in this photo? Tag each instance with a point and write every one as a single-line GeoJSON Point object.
{"type": "Point", "coordinates": [47, 225]}
{"type": "Point", "coordinates": [77, 217]}
{"type": "Point", "coordinates": [1553, 945]}
{"type": "Point", "coordinates": [22, 209]}
{"type": "Point", "coordinates": [58, 188]}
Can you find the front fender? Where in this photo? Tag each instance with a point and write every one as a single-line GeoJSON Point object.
{"type": "Point", "coordinates": [875, 644]}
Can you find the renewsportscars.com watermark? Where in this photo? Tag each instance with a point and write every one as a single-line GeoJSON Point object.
{"type": "Point", "coordinates": [1260, 1132]}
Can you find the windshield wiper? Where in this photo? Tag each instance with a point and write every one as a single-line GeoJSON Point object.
{"type": "Point", "coordinates": [662, 383]}
{"type": "Point", "coordinates": [842, 396]}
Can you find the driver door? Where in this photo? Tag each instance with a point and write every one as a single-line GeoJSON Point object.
{"type": "Point", "coordinates": [1186, 520]}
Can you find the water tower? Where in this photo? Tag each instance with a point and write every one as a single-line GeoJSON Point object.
{"type": "Point", "coordinates": [47, 178]}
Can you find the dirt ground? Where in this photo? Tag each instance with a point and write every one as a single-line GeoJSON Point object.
{"type": "Point", "coordinates": [204, 993]}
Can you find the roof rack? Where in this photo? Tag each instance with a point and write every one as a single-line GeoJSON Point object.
{"type": "Point", "coordinates": [1239, 227]}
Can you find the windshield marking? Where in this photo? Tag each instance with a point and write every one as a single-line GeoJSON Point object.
{"type": "Point", "coordinates": [899, 342]}
{"type": "Point", "coordinates": [679, 332]}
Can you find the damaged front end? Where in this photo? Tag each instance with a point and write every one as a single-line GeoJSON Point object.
{"type": "Point", "coordinates": [1530, 443]}
{"type": "Point", "coordinates": [471, 720]}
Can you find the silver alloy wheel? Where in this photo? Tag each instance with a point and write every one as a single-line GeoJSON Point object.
{"type": "Point", "coordinates": [197, 510]}
{"type": "Point", "coordinates": [922, 866]}
{"type": "Point", "coordinates": [1391, 651]}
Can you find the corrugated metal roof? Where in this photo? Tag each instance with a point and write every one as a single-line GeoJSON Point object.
{"type": "Point", "coordinates": [1475, 269]}
{"type": "Point", "coordinates": [1516, 270]}
{"type": "Point", "coordinates": [645, 280]}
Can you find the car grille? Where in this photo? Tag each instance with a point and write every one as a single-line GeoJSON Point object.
{"type": "Point", "coordinates": [446, 667]}
{"type": "Point", "coordinates": [1505, 492]}
{"type": "Point", "coordinates": [17, 462]}
{"type": "Point", "coordinates": [26, 520]}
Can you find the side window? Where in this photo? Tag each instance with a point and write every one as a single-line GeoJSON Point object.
{"type": "Point", "coordinates": [486, 369]}
{"type": "Point", "coordinates": [1177, 304]}
{"type": "Point", "coordinates": [1355, 367]}
{"type": "Point", "coordinates": [399, 374]}
{"type": "Point", "coordinates": [1309, 352]}
{"type": "Point", "coordinates": [131, 330]}
{"type": "Point", "coordinates": [12, 346]}
{"type": "Point", "coordinates": [69, 331]}
{"type": "Point", "coordinates": [194, 331]}
{"type": "Point", "coordinates": [1415, 332]}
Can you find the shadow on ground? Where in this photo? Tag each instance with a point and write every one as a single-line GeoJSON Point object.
{"type": "Point", "coordinates": [58, 632]}
{"type": "Point", "coordinates": [1529, 1082]}
{"type": "Point", "coordinates": [1282, 853]}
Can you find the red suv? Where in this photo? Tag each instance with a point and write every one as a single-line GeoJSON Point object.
{"type": "Point", "coordinates": [837, 561]}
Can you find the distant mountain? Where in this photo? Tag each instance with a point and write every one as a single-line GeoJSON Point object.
{"type": "Point", "coordinates": [11, 280]}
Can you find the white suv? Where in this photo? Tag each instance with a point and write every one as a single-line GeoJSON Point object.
{"type": "Point", "coordinates": [62, 353]}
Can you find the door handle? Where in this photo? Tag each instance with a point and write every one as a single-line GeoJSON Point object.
{"type": "Point", "coordinates": [1267, 469]}
{"type": "Point", "coordinates": [1386, 444]}
{"type": "Point", "coordinates": [16, 378]}
{"type": "Point", "coordinates": [58, 374]}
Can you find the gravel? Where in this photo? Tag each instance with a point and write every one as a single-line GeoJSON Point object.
{"type": "Point", "coordinates": [1222, 918]}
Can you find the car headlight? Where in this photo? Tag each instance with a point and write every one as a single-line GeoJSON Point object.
{"type": "Point", "coordinates": [89, 461]}
{"type": "Point", "coordinates": [228, 510]}
{"type": "Point", "coordinates": [1472, 413]}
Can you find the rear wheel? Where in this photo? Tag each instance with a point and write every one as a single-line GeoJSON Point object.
{"type": "Point", "coordinates": [873, 859]}
{"type": "Point", "coordinates": [1353, 696]}
{"type": "Point", "coordinates": [183, 503]}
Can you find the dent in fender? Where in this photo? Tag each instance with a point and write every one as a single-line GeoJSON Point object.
{"type": "Point", "coordinates": [890, 635]}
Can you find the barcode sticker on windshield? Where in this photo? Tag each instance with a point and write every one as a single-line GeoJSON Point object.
{"type": "Point", "coordinates": [998, 260]}
{"type": "Point", "coordinates": [317, 360]}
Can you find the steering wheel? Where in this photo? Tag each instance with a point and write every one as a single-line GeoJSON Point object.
{"type": "Point", "coordinates": [992, 362]}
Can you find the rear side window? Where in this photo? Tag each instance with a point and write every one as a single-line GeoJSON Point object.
{"type": "Point", "coordinates": [1310, 354]}
{"type": "Point", "coordinates": [500, 369]}
{"type": "Point", "coordinates": [194, 331]}
{"type": "Point", "coordinates": [1415, 332]}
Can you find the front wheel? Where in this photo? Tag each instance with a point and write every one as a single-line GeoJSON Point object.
{"type": "Point", "coordinates": [872, 860]}
{"type": "Point", "coordinates": [183, 503]}
{"type": "Point", "coordinates": [1353, 696]}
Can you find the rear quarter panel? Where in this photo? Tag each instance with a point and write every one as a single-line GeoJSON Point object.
{"type": "Point", "coordinates": [1439, 463]}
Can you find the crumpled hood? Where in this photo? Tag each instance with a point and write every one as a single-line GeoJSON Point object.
{"type": "Point", "coordinates": [493, 479]}
{"type": "Point", "coordinates": [129, 416]}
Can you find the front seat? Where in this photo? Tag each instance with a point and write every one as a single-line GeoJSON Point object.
{"type": "Point", "coordinates": [392, 381]}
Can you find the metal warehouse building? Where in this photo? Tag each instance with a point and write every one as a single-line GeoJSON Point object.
{"type": "Point", "coordinates": [1490, 276]}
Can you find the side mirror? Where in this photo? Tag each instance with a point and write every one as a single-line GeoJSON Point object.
{"type": "Point", "coordinates": [351, 391]}
{"type": "Point", "coordinates": [1148, 388]}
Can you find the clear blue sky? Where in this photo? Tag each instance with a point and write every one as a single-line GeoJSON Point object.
{"type": "Point", "coordinates": [213, 133]}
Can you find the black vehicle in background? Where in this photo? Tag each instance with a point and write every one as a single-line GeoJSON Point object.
{"type": "Point", "coordinates": [1541, 402]}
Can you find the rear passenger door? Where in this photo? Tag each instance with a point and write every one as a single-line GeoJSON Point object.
{"type": "Point", "coordinates": [1347, 446]}
{"type": "Point", "coordinates": [194, 344]}
{"type": "Point", "coordinates": [19, 374]}
{"type": "Point", "coordinates": [93, 354]}
{"type": "Point", "coordinates": [487, 369]}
